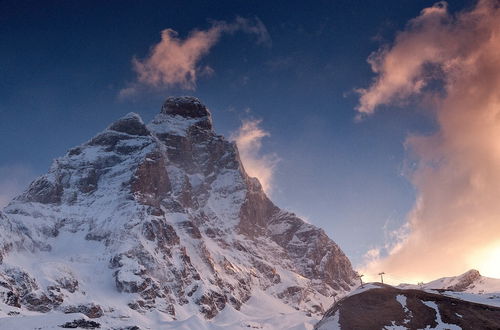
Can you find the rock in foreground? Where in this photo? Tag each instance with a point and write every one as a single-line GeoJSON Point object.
{"type": "Point", "coordinates": [380, 306]}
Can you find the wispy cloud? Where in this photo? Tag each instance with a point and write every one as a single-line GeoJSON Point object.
{"type": "Point", "coordinates": [248, 138]}
{"type": "Point", "coordinates": [402, 70]}
{"type": "Point", "coordinates": [454, 223]}
{"type": "Point", "coordinates": [13, 180]}
{"type": "Point", "coordinates": [175, 62]}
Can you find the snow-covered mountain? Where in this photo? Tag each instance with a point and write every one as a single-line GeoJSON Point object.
{"type": "Point", "coordinates": [470, 282]}
{"type": "Point", "coordinates": [159, 225]}
{"type": "Point", "coordinates": [469, 286]}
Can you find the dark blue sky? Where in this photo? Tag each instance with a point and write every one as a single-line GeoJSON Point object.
{"type": "Point", "coordinates": [63, 63]}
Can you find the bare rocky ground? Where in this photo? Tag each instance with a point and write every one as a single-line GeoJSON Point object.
{"type": "Point", "coordinates": [380, 306]}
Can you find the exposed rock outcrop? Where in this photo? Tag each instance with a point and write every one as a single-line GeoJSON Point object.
{"type": "Point", "coordinates": [465, 281]}
{"type": "Point", "coordinates": [381, 307]}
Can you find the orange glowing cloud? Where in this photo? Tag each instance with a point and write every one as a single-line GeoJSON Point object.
{"type": "Point", "coordinates": [248, 139]}
{"type": "Point", "coordinates": [455, 222]}
{"type": "Point", "coordinates": [175, 61]}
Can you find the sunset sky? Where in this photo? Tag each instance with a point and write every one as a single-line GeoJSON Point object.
{"type": "Point", "coordinates": [377, 121]}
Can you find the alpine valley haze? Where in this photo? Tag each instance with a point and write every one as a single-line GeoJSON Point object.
{"type": "Point", "coordinates": [230, 165]}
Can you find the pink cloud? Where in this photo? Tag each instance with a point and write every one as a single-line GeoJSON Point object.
{"type": "Point", "coordinates": [401, 69]}
{"type": "Point", "coordinates": [174, 62]}
{"type": "Point", "coordinates": [454, 223]}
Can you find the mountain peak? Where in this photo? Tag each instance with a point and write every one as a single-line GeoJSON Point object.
{"type": "Point", "coordinates": [471, 272]}
{"type": "Point", "coordinates": [185, 106]}
{"type": "Point", "coordinates": [180, 113]}
{"type": "Point", "coordinates": [466, 280]}
{"type": "Point", "coordinates": [131, 124]}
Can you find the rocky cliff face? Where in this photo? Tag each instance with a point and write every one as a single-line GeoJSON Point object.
{"type": "Point", "coordinates": [159, 218]}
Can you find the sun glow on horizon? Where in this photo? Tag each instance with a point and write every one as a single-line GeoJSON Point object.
{"type": "Point", "coordinates": [487, 261]}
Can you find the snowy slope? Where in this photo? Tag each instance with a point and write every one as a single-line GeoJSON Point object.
{"type": "Point", "coordinates": [469, 286]}
{"type": "Point", "coordinates": [471, 282]}
{"type": "Point", "coordinates": [159, 224]}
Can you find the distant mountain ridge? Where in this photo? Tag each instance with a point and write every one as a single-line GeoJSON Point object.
{"type": "Point", "coordinates": [146, 224]}
{"type": "Point", "coordinates": [471, 282]}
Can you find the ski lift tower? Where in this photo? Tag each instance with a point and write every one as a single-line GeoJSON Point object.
{"type": "Point", "coordinates": [381, 277]}
{"type": "Point", "coordinates": [360, 279]}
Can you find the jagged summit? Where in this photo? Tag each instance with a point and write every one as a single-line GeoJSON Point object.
{"type": "Point", "coordinates": [180, 114]}
{"type": "Point", "coordinates": [472, 273]}
{"type": "Point", "coordinates": [160, 218]}
{"type": "Point", "coordinates": [185, 106]}
{"type": "Point", "coordinates": [131, 124]}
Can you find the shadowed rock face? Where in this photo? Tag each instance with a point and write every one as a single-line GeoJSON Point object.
{"type": "Point", "coordinates": [190, 108]}
{"type": "Point", "coordinates": [185, 106]}
{"type": "Point", "coordinates": [257, 211]}
{"type": "Point", "coordinates": [44, 191]}
{"type": "Point", "coordinates": [179, 221]}
{"type": "Point", "coordinates": [130, 124]}
{"type": "Point", "coordinates": [465, 280]}
{"type": "Point", "coordinates": [151, 183]}
{"type": "Point", "coordinates": [381, 306]}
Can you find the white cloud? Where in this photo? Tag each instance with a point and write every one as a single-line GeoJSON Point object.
{"type": "Point", "coordinates": [248, 138]}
